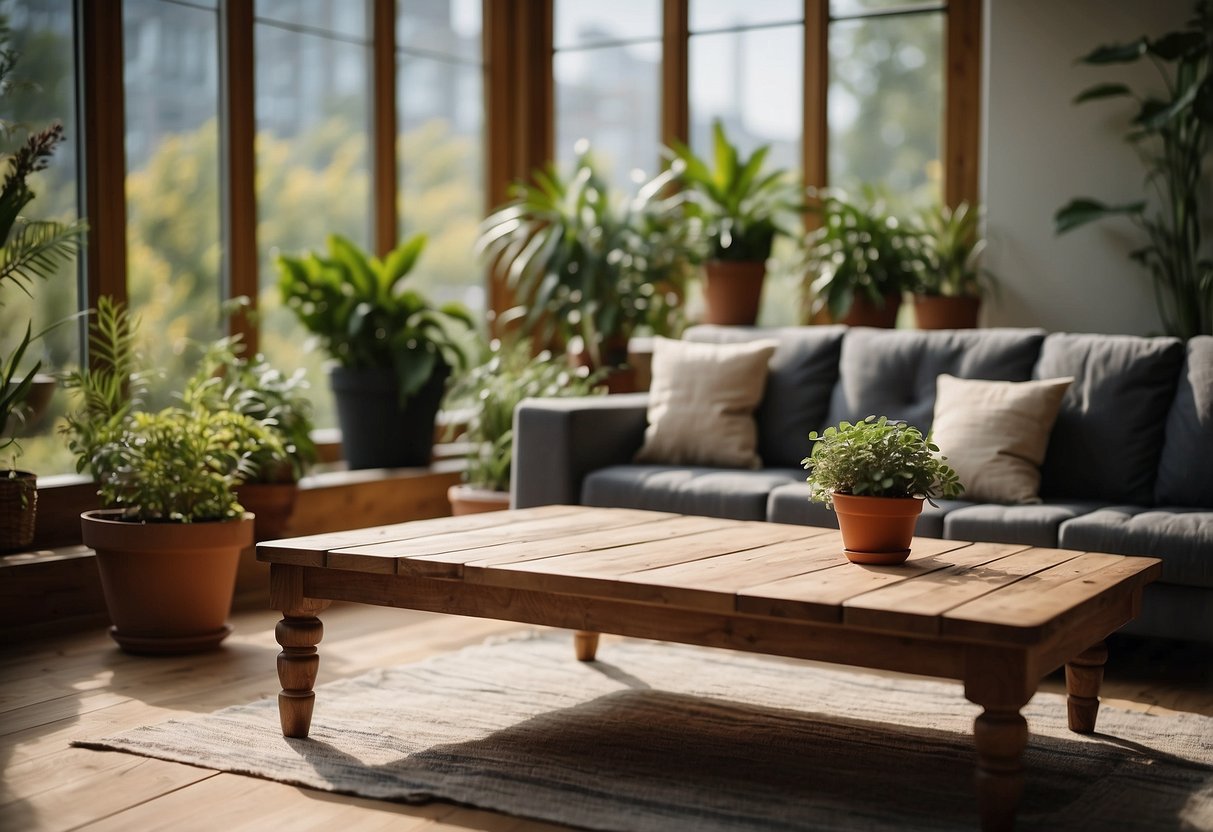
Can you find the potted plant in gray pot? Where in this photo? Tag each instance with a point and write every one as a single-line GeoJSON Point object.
{"type": "Point", "coordinates": [170, 533]}
{"type": "Point", "coordinates": [487, 395]}
{"type": "Point", "coordinates": [875, 475]}
{"type": "Point", "coordinates": [950, 281]}
{"type": "Point", "coordinates": [393, 349]}
{"type": "Point", "coordinates": [859, 260]}
{"type": "Point", "coordinates": [740, 209]}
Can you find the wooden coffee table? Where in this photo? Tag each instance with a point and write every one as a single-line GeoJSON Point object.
{"type": "Point", "coordinates": [997, 617]}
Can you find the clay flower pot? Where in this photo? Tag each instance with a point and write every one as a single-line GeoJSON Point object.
{"type": "Point", "coordinates": [168, 586]}
{"type": "Point", "coordinates": [468, 499]}
{"type": "Point", "coordinates": [943, 312]}
{"type": "Point", "coordinates": [732, 291]}
{"type": "Point", "coordinates": [877, 530]}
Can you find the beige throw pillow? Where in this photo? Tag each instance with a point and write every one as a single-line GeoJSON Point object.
{"type": "Point", "coordinates": [994, 433]}
{"type": "Point", "coordinates": [701, 403]}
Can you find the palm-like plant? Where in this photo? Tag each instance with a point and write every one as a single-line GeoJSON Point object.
{"type": "Point", "coordinates": [583, 262]}
{"type": "Point", "coordinates": [951, 249]}
{"type": "Point", "coordinates": [1170, 136]}
{"type": "Point", "coordinates": [741, 207]}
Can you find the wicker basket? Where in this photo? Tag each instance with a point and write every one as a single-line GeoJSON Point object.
{"type": "Point", "coordinates": [18, 505]}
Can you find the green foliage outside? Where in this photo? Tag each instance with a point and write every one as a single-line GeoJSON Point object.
{"type": "Point", "coordinates": [877, 457]}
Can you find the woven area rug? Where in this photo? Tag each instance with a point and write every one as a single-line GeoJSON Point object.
{"type": "Point", "coordinates": [658, 737]}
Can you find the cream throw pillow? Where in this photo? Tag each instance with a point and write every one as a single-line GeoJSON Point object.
{"type": "Point", "coordinates": [994, 433]}
{"type": "Point", "coordinates": [701, 403]}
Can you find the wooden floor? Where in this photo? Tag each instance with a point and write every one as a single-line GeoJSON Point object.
{"type": "Point", "coordinates": [59, 689]}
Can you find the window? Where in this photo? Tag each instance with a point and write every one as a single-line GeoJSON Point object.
{"type": "Point", "coordinates": [607, 71]}
{"type": "Point", "coordinates": [42, 35]}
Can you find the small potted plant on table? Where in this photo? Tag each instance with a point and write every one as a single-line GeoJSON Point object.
{"type": "Point", "coordinates": [170, 534]}
{"type": "Point", "coordinates": [875, 475]}
{"type": "Point", "coordinates": [393, 349]}
{"type": "Point", "coordinates": [488, 394]}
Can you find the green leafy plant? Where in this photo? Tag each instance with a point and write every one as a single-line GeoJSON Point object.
{"type": "Point", "coordinates": [860, 248]}
{"type": "Point", "coordinates": [582, 261]}
{"type": "Point", "coordinates": [877, 457]}
{"type": "Point", "coordinates": [741, 207]}
{"type": "Point", "coordinates": [489, 393]}
{"type": "Point", "coordinates": [949, 256]}
{"type": "Point", "coordinates": [180, 464]}
{"type": "Point", "coordinates": [1169, 133]}
{"type": "Point", "coordinates": [254, 387]}
{"type": "Point", "coordinates": [366, 316]}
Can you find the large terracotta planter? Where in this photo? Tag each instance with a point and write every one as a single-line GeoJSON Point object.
{"type": "Point", "coordinates": [468, 499]}
{"type": "Point", "coordinates": [942, 312]}
{"type": "Point", "coordinates": [168, 586]}
{"type": "Point", "coordinates": [732, 291]}
{"type": "Point", "coordinates": [18, 509]}
{"type": "Point", "coordinates": [877, 530]}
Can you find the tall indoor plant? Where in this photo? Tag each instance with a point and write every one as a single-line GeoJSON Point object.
{"type": "Point", "coordinates": [169, 535]}
{"type": "Point", "coordinates": [875, 475]}
{"type": "Point", "coordinates": [1170, 135]}
{"type": "Point", "coordinates": [584, 262]}
{"type": "Point", "coordinates": [742, 209]}
{"type": "Point", "coordinates": [949, 280]}
{"type": "Point", "coordinates": [29, 250]}
{"type": "Point", "coordinates": [859, 260]}
{"type": "Point", "coordinates": [393, 349]}
{"type": "Point", "coordinates": [488, 394]}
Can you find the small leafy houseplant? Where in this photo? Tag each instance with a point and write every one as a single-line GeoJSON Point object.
{"type": "Point", "coordinates": [393, 349]}
{"type": "Point", "coordinates": [1170, 135]}
{"type": "Point", "coordinates": [949, 281]}
{"type": "Point", "coordinates": [875, 474]}
{"type": "Point", "coordinates": [488, 394]}
{"type": "Point", "coordinates": [585, 262]}
{"type": "Point", "coordinates": [171, 529]}
{"type": "Point", "coordinates": [740, 209]}
{"type": "Point", "coordinates": [859, 260]}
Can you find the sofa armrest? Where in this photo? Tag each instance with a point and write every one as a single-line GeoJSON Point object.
{"type": "Point", "coordinates": [558, 441]}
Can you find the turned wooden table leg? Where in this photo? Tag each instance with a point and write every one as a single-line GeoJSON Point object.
{"type": "Point", "coordinates": [1000, 682]}
{"type": "Point", "coordinates": [298, 632]}
{"type": "Point", "coordinates": [1084, 675]}
{"type": "Point", "coordinates": [585, 644]}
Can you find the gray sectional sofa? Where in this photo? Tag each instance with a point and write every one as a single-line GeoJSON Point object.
{"type": "Point", "coordinates": [1129, 468]}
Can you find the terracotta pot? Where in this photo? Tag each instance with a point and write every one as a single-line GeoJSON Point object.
{"type": "Point", "coordinates": [18, 509]}
{"type": "Point", "coordinates": [168, 586]}
{"type": "Point", "coordinates": [468, 499]}
{"type": "Point", "coordinates": [732, 291]}
{"type": "Point", "coordinates": [877, 530]}
{"type": "Point", "coordinates": [621, 375]}
{"type": "Point", "coordinates": [866, 313]}
{"type": "Point", "coordinates": [941, 312]}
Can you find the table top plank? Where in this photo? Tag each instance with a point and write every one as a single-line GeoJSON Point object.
{"type": "Point", "coordinates": [389, 556]}
{"type": "Point", "coordinates": [915, 606]}
{"type": "Point", "coordinates": [818, 596]}
{"type": "Point", "coordinates": [310, 550]}
{"type": "Point", "coordinates": [1037, 604]}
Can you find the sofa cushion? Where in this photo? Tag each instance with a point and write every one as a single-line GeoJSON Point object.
{"type": "Point", "coordinates": [701, 403]}
{"type": "Point", "coordinates": [802, 374]}
{"type": "Point", "coordinates": [1181, 537]}
{"type": "Point", "coordinates": [710, 492]}
{"type": "Point", "coordinates": [1034, 525]}
{"type": "Point", "coordinates": [1187, 452]}
{"type": "Point", "coordinates": [994, 434]}
{"type": "Point", "coordinates": [1108, 436]}
{"type": "Point", "coordinates": [790, 504]}
{"type": "Point", "coordinates": [892, 373]}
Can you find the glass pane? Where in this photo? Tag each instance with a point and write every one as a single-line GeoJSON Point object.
{"type": "Point", "coordinates": [313, 175]}
{"type": "Point", "coordinates": [340, 17]}
{"type": "Point", "coordinates": [42, 38]}
{"type": "Point", "coordinates": [886, 106]}
{"type": "Point", "coordinates": [612, 98]}
{"type": "Point", "coordinates": [174, 244]}
{"type": "Point", "coordinates": [446, 27]}
{"type": "Point", "coordinates": [724, 14]}
{"type": "Point", "coordinates": [841, 8]}
{"type": "Point", "coordinates": [441, 152]}
{"type": "Point", "coordinates": [586, 22]}
{"type": "Point", "coordinates": [752, 82]}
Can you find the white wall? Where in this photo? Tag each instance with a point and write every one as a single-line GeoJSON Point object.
{"type": "Point", "coordinates": [1040, 151]}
